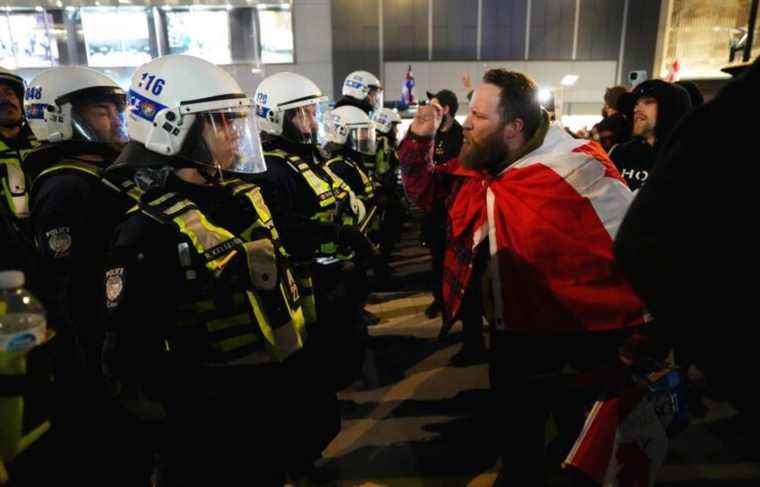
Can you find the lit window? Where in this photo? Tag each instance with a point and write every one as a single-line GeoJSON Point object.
{"type": "Point", "coordinates": [275, 34]}
{"type": "Point", "coordinates": [24, 40]}
{"type": "Point", "coordinates": [116, 36]}
{"type": "Point", "coordinates": [201, 33]}
{"type": "Point", "coordinates": [7, 58]}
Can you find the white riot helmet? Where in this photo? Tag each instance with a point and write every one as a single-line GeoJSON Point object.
{"type": "Point", "coordinates": [352, 127]}
{"type": "Point", "coordinates": [291, 106]}
{"type": "Point", "coordinates": [384, 120]}
{"type": "Point", "coordinates": [360, 84]}
{"type": "Point", "coordinates": [187, 107]}
{"type": "Point", "coordinates": [75, 103]}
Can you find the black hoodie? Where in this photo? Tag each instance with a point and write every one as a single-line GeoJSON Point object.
{"type": "Point", "coordinates": [688, 243]}
{"type": "Point", "coordinates": [635, 159]}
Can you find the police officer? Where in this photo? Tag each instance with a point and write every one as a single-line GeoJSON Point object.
{"type": "Point", "coordinates": [77, 114]}
{"type": "Point", "coordinates": [362, 90]}
{"type": "Point", "coordinates": [351, 137]}
{"type": "Point", "coordinates": [308, 204]}
{"type": "Point", "coordinates": [386, 175]}
{"type": "Point", "coordinates": [203, 307]}
{"type": "Point", "coordinates": [16, 140]}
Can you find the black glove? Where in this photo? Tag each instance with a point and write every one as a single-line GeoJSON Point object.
{"type": "Point", "coordinates": [351, 237]}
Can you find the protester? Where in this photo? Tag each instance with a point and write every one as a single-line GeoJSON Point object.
{"type": "Point", "coordinates": [524, 233]}
{"type": "Point", "coordinates": [659, 106]}
{"type": "Point", "coordinates": [688, 252]}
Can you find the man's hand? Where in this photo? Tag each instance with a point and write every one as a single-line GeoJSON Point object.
{"type": "Point", "coordinates": [427, 120]}
{"type": "Point", "coordinates": [466, 82]}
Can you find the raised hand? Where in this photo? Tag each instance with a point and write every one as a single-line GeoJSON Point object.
{"type": "Point", "coordinates": [427, 120]}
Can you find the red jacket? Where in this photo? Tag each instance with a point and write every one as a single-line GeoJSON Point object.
{"type": "Point", "coordinates": [550, 219]}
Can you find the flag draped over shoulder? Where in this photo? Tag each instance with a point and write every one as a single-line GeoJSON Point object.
{"type": "Point", "coordinates": [550, 219]}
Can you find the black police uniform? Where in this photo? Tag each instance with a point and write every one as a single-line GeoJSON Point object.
{"type": "Point", "coordinates": [363, 105]}
{"type": "Point", "coordinates": [306, 203]}
{"type": "Point", "coordinates": [348, 167]}
{"type": "Point", "coordinates": [187, 325]}
{"type": "Point", "coordinates": [73, 213]}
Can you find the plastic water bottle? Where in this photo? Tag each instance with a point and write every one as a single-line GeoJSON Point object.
{"type": "Point", "coordinates": [22, 317]}
{"type": "Point", "coordinates": [22, 328]}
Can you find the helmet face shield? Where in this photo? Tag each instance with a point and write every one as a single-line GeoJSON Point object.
{"type": "Point", "coordinates": [230, 141]}
{"type": "Point", "coordinates": [376, 98]}
{"type": "Point", "coordinates": [363, 139]}
{"type": "Point", "coordinates": [305, 124]}
{"type": "Point", "coordinates": [100, 117]}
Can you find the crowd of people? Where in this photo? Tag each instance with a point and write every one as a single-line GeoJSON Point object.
{"type": "Point", "coordinates": [205, 258]}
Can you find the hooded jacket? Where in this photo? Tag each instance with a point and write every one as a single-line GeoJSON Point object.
{"type": "Point", "coordinates": [688, 248]}
{"type": "Point", "coordinates": [635, 159]}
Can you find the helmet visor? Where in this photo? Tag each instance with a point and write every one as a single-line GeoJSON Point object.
{"type": "Point", "coordinates": [376, 98]}
{"type": "Point", "coordinates": [305, 124]}
{"type": "Point", "coordinates": [100, 117]}
{"type": "Point", "coordinates": [231, 139]}
{"type": "Point", "coordinates": [363, 139]}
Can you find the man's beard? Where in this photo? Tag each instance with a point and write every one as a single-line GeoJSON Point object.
{"type": "Point", "coordinates": [642, 128]}
{"type": "Point", "coordinates": [486, 154]}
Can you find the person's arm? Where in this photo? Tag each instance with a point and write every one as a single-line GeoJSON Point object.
{"type": "Point", "coordinates": [59, 208]}
{"type": "Point", "coordinates": [416, 156]}
{"type": "Point", "coordinates": [141, 278]}
{"type": "Point", "coordinates": [300, 235]}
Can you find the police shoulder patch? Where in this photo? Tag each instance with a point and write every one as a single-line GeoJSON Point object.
{"type": "Point", "coordinates": [114, 286]}
{"type": "Point", "coordinates": [59, 241]}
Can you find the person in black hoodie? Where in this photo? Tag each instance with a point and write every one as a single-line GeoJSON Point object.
{"type": "Point", "coordinates": [688, 252]}
{"type": "Point", "coordinates": [659, 106]}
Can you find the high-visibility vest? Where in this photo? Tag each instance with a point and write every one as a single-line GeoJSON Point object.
{"type": "Point", "coordinates": [369, 190]}
{"type": "Point", "coordinates": [13, 185]}
{"type": "Point", "coordinates": [330, 194]}
{"type": "Point", "coordinates": [263, 323]}
{"type": "Point", "coordinates": [385, 152]}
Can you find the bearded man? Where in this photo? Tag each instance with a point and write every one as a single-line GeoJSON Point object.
{"type": "Point", "coordinates": [532, 217]}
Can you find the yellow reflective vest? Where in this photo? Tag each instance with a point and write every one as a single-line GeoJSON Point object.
{"type": "Point", "coordinates": [262, 323]}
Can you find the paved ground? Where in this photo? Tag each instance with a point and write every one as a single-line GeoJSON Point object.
{"type": "Point", "coordinates": [415, 421]}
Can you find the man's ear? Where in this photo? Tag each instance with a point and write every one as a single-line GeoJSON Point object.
{"type": "Point", "coordinates": [514, 128]}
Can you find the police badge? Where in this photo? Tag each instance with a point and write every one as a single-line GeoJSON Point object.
{"type": "Point", "coordinates": [59, 241]}
{"type": "Point", "coordinates": [114, 286]}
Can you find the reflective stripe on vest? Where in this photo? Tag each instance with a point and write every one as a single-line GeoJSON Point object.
{"type": "Point", "coordinates": [322, 189]}
{"type": "Point", "coordinates": [369, 190]}
{"type": "Point", "coordinates": [13, 182]}
{"type": "Point", "coordinates": [277, 310]}
{"type": "Point", "coordinates": [329, 195]}
{"type": "Point", "coordinates": [382, 159]}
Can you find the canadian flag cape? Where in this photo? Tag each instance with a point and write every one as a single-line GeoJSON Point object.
{"type": "Point", "coordinates": [550, 219]}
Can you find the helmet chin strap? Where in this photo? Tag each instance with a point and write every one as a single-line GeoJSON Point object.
{"type": "Point", "coordinates": [207, 173]}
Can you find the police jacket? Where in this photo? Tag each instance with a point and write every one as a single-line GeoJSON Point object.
{"type": "Point", "coordinates": [302, 196]}
{"type": "Point", "coordinates": [73, 213]}
{"type": "Point", "coordinates": [345, 165]}
{"type": "Point", "coordinates": [14, 202]}
{"type": "Point", "coordinates": [635, 161]}
{"type": "Point", "coordinates": [362, 105]}
{"type": "Point", "coordinates": [198, 289]}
